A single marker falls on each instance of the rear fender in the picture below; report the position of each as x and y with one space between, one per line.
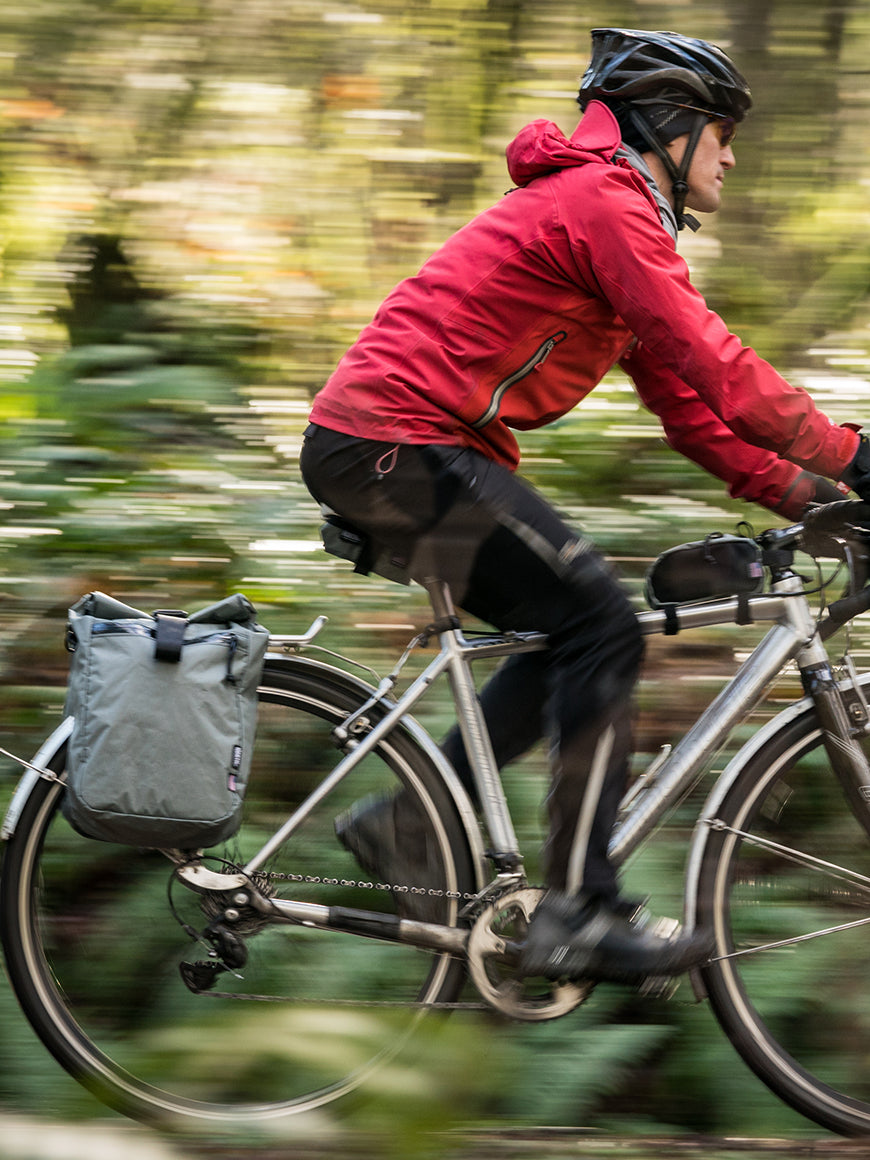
38 768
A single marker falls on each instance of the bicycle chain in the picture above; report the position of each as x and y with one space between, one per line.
353 883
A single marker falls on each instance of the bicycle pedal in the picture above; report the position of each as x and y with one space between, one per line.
667 928
661 986
658 987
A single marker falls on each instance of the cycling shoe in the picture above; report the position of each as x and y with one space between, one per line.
575 938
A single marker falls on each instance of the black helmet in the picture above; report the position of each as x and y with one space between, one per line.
660 85
631 67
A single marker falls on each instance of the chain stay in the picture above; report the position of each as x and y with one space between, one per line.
352 883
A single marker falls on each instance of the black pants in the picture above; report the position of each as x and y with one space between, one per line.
511 561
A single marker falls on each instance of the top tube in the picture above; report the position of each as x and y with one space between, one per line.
708 613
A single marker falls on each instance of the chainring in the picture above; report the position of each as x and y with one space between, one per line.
494 947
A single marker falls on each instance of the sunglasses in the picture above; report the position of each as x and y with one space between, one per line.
727 126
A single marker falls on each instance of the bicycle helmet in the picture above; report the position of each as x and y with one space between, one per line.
648 78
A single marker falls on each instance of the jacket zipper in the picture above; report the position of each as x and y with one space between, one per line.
531 364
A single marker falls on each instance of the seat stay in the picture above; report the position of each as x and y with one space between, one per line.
453 659
362 747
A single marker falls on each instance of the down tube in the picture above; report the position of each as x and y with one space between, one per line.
708 733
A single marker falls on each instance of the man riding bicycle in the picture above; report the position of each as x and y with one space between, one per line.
509 325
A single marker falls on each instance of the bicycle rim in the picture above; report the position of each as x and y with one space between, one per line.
94 936
786 886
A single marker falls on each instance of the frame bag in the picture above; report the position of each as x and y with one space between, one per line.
710 569
164 709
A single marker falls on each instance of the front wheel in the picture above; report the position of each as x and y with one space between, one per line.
785 884
97 936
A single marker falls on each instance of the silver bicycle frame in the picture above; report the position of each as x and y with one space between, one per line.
793 633
791 637
454 657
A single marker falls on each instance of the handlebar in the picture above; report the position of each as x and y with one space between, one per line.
839 530
821 526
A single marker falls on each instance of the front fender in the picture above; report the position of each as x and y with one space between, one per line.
724 783
726 780
711 808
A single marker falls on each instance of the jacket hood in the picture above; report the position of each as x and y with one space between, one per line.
542 147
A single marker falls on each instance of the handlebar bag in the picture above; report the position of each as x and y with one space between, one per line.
710 569
164 709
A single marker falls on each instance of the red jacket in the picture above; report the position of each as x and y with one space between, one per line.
521 313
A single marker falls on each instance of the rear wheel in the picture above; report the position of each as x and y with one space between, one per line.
95 935
785 883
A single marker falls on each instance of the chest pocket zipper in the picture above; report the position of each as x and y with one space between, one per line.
531 364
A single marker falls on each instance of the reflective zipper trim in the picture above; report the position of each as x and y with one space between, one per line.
541 355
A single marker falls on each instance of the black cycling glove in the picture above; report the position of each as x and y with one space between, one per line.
826 492
857 474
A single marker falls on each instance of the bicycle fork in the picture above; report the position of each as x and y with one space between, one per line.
844 718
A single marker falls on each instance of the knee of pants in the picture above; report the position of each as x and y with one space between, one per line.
609 641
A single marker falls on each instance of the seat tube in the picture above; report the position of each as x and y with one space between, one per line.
505 852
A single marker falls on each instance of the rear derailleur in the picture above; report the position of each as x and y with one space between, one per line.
228 953
234 917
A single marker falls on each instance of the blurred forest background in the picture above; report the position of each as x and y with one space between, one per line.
201 202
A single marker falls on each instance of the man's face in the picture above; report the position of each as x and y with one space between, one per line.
710 162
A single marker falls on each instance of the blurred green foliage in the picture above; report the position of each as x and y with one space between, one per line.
201 203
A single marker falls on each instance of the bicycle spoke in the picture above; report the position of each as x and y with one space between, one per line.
793 941
799 857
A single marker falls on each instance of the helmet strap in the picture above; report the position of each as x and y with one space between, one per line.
677 173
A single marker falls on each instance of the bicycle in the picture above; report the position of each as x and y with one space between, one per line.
268 978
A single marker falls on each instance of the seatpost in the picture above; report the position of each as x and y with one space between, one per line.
442 604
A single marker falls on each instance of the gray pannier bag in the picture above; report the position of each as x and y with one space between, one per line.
164 709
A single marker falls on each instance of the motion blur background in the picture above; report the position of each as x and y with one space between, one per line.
201 202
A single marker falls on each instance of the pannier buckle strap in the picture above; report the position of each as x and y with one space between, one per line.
169 635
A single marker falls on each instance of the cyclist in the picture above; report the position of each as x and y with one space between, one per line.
507 326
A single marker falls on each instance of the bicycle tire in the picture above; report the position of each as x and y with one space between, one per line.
788 863
93 949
